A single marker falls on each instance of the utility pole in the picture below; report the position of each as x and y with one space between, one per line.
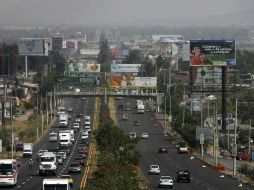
202 132
42 116
47 109
249 141
183 123
37 117
11 127
235 144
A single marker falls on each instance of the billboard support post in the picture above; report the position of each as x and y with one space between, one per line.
26 67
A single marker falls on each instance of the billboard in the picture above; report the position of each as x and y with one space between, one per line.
132 82
206 76
77 80
31 46
82 67
171 45
212 52
125 68
57 44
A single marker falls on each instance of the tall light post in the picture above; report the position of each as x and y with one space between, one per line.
235 144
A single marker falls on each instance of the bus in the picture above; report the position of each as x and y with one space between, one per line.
8 172
56 184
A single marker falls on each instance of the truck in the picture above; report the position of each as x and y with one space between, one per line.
65 138
140 106
183 147
55 184
52 136
28 150
48 163
63 120
71 131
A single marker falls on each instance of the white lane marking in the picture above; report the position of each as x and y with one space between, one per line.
23 183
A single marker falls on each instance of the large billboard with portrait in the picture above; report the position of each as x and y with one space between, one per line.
212 53
82 67
128 81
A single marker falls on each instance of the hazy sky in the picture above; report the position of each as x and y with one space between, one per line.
101 11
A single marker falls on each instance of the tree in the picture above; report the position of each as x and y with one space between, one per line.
105 56
134 57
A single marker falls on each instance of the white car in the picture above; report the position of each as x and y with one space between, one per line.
88 128
165 181
84 136
154 169
144 136
40 153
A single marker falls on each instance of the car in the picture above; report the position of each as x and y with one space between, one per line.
87 120
120 106
154 169
40 153
242 156
125 117
77 119
166 181
80 160
59 158
144 136
75 125
162 150
65 148
183 175
182 147
132 135
74 168
70 179
225 153
70 109
62 153
85 150
136 123
83 98
84 135
83 155
119 98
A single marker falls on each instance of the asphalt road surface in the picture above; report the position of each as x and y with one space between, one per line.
202 176
29 178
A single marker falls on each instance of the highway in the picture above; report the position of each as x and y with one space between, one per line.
29 178
202 176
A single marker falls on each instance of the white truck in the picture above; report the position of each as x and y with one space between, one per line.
71 131
48 163
140 106
55 184
52 136
63 120
65 138
28 150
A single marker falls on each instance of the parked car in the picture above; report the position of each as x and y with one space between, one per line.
125 117
133 135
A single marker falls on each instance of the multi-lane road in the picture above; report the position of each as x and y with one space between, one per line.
202 176
29 178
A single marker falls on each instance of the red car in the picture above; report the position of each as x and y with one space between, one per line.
80 160
242 156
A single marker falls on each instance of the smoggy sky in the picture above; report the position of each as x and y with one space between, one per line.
115 11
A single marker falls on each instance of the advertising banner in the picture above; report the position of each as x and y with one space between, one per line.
212 52
172 45
31 47
77 80
82 67
125 68
207 132
206 76
132 82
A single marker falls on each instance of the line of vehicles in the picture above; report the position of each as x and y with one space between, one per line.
50 159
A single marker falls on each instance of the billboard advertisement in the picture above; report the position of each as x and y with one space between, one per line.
132 82
171 45
212 52
82 67
125 68
31 46
57 44
206 76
